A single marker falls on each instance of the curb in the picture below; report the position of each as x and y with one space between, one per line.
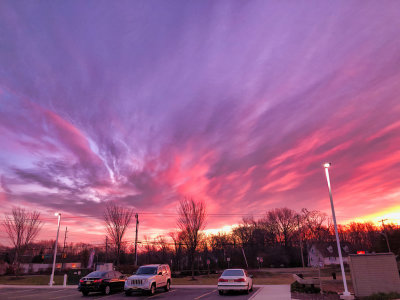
256 293
3 286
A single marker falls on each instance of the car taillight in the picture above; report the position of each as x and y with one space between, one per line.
98 280
222 280
81 280
240 280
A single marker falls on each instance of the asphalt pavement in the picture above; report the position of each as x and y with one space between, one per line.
193 293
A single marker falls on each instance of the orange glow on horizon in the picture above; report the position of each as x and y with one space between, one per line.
392 214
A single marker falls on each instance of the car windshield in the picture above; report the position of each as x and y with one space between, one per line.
96 274
146 271
233 273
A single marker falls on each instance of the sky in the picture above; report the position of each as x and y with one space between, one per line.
234 103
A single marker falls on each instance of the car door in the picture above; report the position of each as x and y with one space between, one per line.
164 275
248 278
109 279
159 277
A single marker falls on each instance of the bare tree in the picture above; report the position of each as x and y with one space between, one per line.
285 222
191 220
22 227
117 220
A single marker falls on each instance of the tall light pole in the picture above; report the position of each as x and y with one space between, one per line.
346 292
55 249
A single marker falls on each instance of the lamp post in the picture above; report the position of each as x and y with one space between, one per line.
55 249
346 292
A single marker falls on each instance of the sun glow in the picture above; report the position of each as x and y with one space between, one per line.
224 229
392 215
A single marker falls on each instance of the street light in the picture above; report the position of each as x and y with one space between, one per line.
57 214
346 292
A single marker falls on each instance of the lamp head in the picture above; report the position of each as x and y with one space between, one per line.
327 165
57 214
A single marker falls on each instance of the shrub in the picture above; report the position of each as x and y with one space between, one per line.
382 296
302 288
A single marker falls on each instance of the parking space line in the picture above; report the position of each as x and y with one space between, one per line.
170 291
206 294
39 293
106 296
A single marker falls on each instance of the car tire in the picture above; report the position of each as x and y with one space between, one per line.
107 290
167 286
152 289
221 292
251 289
247 290
128 293
85 293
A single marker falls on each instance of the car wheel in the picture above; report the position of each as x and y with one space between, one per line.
153 289
85 293
248 289
107 290
251 289
221 292
168 286
128 293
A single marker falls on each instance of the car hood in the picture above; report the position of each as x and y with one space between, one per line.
140 276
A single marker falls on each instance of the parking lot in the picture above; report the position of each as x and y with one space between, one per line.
68 293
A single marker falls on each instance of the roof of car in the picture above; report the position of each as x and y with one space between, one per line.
155 265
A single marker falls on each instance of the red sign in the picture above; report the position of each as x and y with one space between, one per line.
360 252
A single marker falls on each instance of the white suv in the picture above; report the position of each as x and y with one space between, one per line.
149 278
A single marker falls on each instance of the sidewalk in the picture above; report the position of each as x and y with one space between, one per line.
272 292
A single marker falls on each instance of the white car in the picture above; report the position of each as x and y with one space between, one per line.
148 278
235 280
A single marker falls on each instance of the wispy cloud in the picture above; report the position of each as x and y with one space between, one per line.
234 103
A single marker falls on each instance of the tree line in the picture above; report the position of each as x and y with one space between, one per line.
281 237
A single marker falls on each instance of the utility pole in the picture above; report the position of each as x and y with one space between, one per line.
301 242
245 259
63 252
385 233
137 225
106 249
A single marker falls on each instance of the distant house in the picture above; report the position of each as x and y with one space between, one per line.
326 253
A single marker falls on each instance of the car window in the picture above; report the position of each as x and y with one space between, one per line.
233 273
96 274
147 271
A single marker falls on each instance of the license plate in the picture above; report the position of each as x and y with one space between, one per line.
231 281
88 282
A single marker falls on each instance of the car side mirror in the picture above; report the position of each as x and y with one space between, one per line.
159 273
